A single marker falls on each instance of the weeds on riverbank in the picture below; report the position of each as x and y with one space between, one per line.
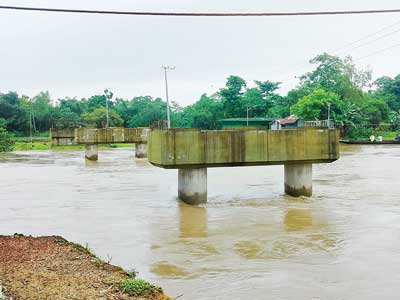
138 288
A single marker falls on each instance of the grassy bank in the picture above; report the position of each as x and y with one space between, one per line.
24 145
387 135
51 268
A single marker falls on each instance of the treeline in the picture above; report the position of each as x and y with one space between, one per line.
356 103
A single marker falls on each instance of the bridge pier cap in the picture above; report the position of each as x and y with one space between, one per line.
192 148
111 135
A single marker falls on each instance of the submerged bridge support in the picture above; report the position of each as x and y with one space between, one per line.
92 137
298 179
192 185
192 151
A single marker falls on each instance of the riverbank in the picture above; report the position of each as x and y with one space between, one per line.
46 145
51 268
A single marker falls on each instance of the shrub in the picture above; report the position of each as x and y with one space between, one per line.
138 287
6 142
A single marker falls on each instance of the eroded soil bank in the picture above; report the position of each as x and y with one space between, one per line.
53 268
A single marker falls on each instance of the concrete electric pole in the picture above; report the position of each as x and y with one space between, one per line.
166 69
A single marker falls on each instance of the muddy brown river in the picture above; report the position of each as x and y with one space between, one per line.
249 242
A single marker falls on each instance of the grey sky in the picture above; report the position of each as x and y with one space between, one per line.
80 55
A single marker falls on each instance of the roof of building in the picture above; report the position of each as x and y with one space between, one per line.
245 119
289 120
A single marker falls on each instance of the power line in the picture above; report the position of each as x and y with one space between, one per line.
379 51
366 37
192 14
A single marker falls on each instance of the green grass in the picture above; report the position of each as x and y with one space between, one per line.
387 135
46 145
138 287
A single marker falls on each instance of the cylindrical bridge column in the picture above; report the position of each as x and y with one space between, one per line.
91 152
141 150
192 185
298 180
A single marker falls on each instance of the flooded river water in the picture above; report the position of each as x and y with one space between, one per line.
249 242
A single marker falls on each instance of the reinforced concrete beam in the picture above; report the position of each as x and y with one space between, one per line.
191 148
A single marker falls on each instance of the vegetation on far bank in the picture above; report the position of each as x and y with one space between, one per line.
359 106
46 145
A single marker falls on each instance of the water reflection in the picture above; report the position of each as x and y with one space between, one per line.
168 270
297 219
192 221
299 233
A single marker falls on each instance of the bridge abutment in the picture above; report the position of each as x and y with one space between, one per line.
141 150
192 185
91 152
298 179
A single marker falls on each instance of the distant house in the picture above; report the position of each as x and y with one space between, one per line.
288 122
250 123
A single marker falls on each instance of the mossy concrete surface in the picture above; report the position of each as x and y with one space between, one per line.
111 135
178 148
62 137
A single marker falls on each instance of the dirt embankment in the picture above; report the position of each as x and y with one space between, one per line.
51 268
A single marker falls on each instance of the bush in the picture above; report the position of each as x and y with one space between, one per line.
6 142
138 287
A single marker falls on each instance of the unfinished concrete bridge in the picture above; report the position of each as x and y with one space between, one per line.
192 151
93 137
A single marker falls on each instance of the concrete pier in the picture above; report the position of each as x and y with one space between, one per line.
141 150
91 152
141 147
298 180
192 185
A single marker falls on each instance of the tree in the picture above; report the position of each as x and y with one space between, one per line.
315 105
204 114
41 107
348 117
389 89
6 143
98 119
339 76
231 96
375 110
394 118
143 111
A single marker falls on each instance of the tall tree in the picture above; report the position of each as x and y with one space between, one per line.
231 96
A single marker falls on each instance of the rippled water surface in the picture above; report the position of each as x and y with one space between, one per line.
249 242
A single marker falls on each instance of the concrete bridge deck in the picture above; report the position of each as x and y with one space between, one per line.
92 137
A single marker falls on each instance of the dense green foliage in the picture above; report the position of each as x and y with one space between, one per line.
6 142
357 104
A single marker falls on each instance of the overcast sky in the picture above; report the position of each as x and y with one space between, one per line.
81 55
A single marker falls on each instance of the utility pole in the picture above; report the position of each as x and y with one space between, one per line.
107 117
329 115
166 69
248 108
107 95
30 122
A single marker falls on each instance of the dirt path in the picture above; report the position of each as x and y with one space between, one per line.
51 268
